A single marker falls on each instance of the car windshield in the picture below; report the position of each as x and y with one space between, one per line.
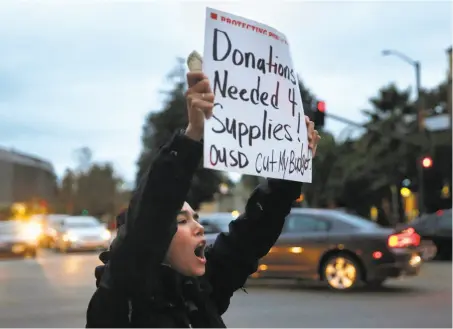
220 220
81 222
56 218
55 221
355 220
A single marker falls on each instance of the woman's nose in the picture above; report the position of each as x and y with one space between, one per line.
199 229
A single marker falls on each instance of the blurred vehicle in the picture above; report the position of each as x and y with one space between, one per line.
18 239
50 227
215 223
81 233
340 249
436 227
49 224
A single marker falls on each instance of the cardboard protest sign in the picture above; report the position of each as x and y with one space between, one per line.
258 127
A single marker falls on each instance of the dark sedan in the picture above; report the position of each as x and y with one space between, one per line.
435 227
340 249
18 239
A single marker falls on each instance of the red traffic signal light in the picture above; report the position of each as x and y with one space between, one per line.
321 106
427 162
319 114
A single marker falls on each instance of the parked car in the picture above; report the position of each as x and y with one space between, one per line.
18 239
81 233
436 227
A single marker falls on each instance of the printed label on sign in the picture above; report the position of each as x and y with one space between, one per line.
258 127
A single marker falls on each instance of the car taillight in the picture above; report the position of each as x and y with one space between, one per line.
404 239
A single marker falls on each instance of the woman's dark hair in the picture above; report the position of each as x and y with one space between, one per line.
104 256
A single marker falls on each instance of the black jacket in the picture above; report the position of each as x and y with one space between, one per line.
136 290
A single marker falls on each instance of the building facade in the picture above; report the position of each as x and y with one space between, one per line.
25 179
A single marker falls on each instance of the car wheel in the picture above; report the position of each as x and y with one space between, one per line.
341 272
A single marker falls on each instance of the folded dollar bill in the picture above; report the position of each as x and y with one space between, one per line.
194 61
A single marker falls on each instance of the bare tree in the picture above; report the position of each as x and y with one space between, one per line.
83 156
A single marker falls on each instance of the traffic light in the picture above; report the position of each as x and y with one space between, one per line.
427 162
445 192
405 192
43 206
319 114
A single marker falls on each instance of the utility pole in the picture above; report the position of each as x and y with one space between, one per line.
421 129
449 91
420 120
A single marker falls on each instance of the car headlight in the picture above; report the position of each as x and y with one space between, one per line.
31 231
106 235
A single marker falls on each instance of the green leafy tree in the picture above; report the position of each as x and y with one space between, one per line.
309 99
66 193
389 130
393 154
326 175
93 187
159 128
435 99
384 155
440 149
369 170
97 190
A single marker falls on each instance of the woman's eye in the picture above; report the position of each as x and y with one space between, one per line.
182 221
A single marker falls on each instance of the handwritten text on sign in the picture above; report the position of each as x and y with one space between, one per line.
258 126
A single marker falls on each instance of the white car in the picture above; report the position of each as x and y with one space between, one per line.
82 233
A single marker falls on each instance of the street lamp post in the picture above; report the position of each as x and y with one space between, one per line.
449 78
416 65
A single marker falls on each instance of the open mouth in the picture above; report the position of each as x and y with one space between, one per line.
199 250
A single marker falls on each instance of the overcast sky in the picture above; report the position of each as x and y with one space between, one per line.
86 74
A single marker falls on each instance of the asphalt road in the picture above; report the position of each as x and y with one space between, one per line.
53 291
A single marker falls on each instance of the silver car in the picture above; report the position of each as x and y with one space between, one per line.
82 233
214 223
18 239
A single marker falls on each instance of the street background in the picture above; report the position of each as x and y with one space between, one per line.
89 92
54 290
